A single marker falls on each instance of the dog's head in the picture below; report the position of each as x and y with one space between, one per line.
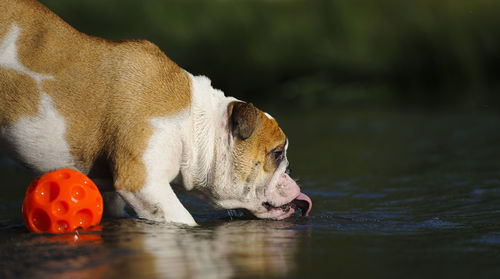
258 177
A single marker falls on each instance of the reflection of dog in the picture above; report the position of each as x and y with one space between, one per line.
256 247
69 100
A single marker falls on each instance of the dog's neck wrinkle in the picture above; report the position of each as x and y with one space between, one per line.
203 144
208 135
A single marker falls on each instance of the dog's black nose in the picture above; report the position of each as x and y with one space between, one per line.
288 170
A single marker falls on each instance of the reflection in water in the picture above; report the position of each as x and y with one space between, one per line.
133 248
90 236
72 255
238 247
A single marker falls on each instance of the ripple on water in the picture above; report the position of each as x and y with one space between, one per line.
479 191
491 238
370 195
326 193
438 223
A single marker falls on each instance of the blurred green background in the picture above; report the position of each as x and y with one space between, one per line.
310 53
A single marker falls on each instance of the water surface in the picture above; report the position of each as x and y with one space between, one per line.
402 194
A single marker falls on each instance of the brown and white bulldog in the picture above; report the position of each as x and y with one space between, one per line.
69 100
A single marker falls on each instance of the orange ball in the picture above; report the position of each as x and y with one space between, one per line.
62 201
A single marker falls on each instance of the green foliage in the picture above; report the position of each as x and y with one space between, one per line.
313 52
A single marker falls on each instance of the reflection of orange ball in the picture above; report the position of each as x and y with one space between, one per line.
61 201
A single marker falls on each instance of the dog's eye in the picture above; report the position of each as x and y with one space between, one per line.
278 154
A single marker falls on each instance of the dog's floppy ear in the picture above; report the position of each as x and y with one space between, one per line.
242 119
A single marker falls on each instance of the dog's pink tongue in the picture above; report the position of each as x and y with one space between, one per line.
303 202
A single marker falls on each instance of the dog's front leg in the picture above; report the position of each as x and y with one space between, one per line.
148 192
158 202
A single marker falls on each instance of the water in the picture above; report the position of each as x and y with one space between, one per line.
412 194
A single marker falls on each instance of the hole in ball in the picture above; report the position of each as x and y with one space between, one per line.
32 186
78 193
60 208
40 220
83 218
64 175
47 192
62 226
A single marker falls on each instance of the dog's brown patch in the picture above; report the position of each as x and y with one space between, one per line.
251 155
15 99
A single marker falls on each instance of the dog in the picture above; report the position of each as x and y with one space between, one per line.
69 100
